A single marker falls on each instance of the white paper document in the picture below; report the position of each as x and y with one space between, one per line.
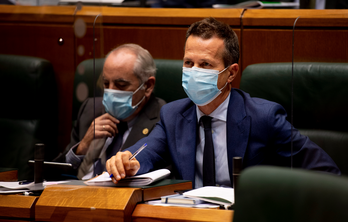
18 187
201 205
218 195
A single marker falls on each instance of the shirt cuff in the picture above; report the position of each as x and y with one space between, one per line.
72 158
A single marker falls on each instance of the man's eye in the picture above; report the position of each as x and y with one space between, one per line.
121 86
188 63
205 64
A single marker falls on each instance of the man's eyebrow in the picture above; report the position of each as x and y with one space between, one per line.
120 80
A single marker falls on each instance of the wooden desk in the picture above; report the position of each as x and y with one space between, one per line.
147 213
17 207
91 203
86 203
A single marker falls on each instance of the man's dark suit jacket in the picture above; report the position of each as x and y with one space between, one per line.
146 119
257 131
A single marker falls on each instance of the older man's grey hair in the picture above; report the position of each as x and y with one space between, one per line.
144 66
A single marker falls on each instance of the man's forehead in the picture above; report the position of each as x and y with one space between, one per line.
207 48
119 68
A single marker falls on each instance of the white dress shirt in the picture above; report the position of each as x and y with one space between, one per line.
218 125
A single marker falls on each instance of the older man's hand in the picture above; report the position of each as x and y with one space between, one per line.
104 126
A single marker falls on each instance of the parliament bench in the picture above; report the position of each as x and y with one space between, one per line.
319 98
29 111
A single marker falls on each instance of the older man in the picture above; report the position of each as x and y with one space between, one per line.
127 112
201 134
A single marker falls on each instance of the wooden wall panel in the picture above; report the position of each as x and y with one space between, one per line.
275 45
286 18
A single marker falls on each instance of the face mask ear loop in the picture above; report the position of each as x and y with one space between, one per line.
223 70
138 103
223 87
141 99
138 88
226 82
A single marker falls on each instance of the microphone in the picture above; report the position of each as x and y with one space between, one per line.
237 168
39 155
292 93
97 161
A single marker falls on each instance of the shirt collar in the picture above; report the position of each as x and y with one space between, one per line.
219 113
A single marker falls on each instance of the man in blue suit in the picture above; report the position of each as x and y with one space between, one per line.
238 125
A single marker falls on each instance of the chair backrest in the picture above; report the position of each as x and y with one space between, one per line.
320 100
168 81
267 194
30 111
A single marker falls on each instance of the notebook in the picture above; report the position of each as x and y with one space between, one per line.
134 181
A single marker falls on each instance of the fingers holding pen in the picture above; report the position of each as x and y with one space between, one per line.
120 166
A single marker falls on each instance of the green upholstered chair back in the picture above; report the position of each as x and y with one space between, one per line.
273 194
85 83
320 103
168 81
29 112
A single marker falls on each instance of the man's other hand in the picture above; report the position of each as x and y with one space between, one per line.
104 126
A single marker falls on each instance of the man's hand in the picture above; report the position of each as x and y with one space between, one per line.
120 166
104 125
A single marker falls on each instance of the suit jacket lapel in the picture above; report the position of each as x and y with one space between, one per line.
186 140
238 129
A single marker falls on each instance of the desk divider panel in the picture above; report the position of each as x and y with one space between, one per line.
17 207
86 203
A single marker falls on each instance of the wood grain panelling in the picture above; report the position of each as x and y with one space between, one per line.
17 206
286 17
70 203
268 45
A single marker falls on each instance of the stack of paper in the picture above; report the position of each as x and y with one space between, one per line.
218 195
180 199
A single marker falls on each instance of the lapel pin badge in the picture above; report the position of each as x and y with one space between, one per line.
145 131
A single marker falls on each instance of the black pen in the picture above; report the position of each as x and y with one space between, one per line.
134 154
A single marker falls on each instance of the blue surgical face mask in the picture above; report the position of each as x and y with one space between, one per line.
118 103
200 84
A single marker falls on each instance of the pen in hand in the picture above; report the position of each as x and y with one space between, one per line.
134 154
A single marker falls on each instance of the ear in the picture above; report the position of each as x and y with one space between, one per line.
149 86
233 69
